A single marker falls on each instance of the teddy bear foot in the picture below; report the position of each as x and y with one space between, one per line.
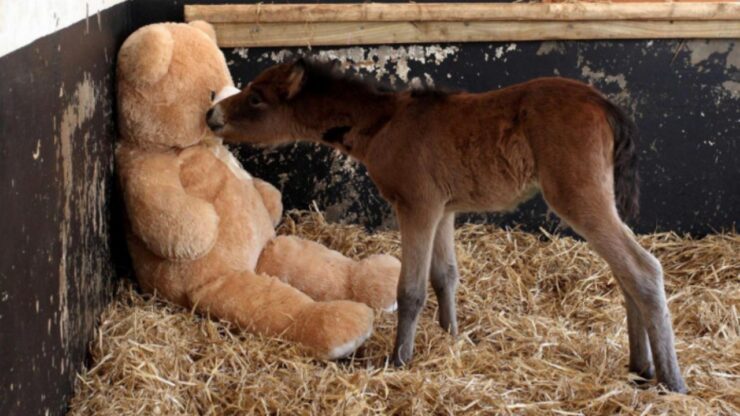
333 329
374 282
349 347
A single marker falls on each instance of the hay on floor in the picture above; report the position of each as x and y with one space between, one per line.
542 332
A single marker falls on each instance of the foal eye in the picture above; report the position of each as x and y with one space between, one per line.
254 100
213 95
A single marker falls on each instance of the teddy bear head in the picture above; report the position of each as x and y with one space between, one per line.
168 75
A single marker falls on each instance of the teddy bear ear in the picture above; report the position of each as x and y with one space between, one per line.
206 28
145 56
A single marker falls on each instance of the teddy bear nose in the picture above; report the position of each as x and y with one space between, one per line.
214 119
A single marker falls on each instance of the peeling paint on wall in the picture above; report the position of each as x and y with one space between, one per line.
549 47
392 61
56 261
78 111
702 50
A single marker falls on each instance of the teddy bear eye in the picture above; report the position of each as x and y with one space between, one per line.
254 99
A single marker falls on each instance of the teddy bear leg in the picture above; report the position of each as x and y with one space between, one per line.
375 281
264 305
326 274
315 270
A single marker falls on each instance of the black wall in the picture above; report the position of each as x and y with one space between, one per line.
57 244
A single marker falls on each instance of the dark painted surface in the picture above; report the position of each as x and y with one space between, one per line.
56 158
684 95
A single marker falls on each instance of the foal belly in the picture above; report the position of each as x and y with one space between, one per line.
493 174
493 199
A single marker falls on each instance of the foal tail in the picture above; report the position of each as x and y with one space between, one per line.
626 178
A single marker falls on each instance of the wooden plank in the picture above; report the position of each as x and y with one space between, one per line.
369 33
448 12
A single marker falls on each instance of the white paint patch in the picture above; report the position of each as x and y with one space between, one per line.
24 21
501 51
36 153
593 76
549 47
242 52
732 88
733 58
701 50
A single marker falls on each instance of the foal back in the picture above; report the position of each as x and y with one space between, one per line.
491 151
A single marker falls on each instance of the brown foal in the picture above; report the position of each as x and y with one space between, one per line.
432 154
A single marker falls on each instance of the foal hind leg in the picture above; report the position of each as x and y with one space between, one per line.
641 360
444 273
589 209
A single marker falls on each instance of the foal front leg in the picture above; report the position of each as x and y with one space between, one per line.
417 234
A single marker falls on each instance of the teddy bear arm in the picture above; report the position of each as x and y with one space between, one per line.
171 223
272 199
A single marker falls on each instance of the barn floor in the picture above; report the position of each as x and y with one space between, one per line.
542 332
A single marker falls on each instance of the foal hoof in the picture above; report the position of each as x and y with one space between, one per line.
401 359
677 386
641 377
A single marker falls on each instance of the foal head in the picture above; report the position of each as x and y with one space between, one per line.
293 101
261 112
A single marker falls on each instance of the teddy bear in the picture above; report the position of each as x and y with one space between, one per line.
201 230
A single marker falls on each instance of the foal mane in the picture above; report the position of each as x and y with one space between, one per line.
325 76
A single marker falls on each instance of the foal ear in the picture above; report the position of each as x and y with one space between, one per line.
296 78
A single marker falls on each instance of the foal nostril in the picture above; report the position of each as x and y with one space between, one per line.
213 119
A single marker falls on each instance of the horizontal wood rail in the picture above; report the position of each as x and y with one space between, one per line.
253 25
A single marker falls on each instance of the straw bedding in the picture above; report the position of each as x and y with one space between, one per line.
542 327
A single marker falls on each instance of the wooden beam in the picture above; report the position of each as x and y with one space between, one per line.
359 33
452 12
255 25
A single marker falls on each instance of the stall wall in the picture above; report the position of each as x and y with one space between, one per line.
58 245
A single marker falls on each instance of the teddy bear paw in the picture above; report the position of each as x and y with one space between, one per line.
335 329
391 308
375 281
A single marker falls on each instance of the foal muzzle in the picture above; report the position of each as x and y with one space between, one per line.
215 116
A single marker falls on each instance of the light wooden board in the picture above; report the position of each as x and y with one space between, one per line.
450 12
369 33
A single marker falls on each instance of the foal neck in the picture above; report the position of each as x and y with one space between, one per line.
349 119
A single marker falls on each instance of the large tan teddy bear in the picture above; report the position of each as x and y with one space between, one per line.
201 229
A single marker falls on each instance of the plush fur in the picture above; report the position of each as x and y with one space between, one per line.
202 229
